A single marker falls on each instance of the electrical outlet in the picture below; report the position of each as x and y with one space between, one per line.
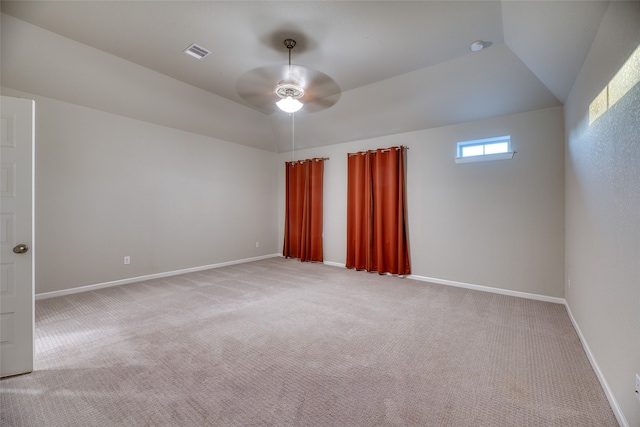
569 285
257 244
638 386
127 260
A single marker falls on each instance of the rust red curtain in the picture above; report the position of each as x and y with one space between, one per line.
303 210
376 212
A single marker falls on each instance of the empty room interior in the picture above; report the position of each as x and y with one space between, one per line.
163 291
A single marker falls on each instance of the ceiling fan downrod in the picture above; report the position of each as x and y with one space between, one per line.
289 91
290 44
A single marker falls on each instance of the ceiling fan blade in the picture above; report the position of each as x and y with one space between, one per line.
322 93
318 104
256 87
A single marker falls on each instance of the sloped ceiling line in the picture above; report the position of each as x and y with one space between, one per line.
403 66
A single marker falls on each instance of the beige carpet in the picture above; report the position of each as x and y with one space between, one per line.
283 343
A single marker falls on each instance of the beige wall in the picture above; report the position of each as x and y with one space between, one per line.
109 186
603 207
498 224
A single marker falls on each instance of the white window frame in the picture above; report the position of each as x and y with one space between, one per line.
483 143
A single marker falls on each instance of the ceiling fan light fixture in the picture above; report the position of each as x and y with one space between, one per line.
289 104
289 92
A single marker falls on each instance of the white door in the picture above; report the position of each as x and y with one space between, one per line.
16 235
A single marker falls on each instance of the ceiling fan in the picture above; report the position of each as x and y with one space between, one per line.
288 88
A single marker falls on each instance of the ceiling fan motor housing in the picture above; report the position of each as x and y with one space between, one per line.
285 89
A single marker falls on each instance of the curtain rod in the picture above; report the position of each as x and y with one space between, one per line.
317 159
381 149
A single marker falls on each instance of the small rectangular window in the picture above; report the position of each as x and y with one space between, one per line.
478 150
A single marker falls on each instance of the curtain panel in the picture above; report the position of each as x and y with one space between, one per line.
303 210
376 212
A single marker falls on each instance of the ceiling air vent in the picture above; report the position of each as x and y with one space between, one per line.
196 51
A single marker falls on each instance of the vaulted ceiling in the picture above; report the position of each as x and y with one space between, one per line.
400 66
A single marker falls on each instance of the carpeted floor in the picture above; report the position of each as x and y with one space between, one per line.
283 343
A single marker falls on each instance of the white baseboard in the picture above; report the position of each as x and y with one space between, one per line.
334 264
617 411
63 292
474 287
488 289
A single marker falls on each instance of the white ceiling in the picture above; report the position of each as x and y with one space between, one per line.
401 66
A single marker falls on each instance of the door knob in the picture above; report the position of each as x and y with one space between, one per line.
20 249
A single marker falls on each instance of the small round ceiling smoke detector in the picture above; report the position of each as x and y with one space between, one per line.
477 46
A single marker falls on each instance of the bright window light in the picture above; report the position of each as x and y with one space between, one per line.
484 149
625 79
472 150
496 147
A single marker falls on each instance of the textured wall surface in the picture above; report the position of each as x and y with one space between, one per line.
603 202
